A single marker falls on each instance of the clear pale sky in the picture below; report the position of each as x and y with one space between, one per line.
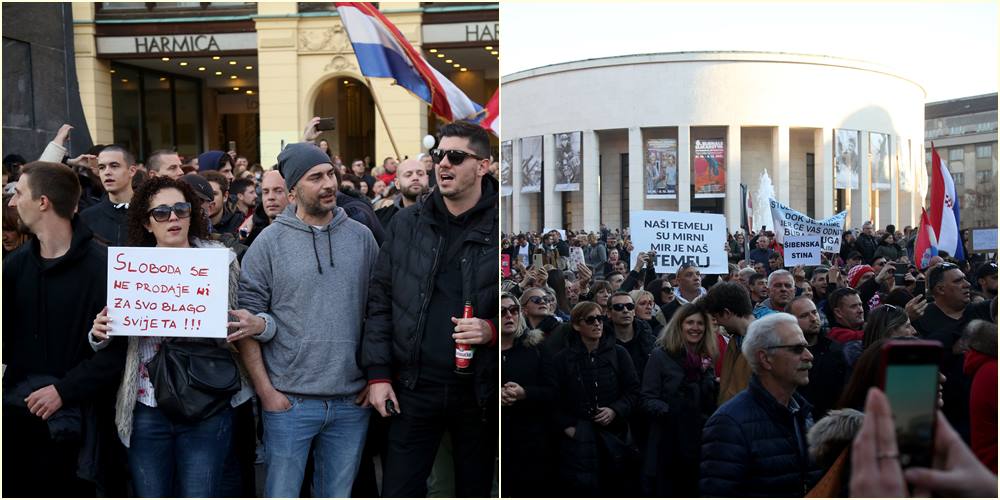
948 47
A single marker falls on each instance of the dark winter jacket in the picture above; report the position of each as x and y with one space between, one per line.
48 310
107 222
867 244
260 221
827 377
229 223
755 447
677 410
639 347
889 252
528 441
360 209
404 287
586 381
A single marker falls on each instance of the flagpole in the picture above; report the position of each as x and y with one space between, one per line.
378 106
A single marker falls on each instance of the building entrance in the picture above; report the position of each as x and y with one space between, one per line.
350 102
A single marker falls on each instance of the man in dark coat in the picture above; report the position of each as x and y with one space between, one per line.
755 444
54 287
439 256
273 200
109 218
829 371
867 244
411 181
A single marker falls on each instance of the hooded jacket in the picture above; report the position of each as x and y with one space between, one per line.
981 366
50 306
107 222
755 447
360 209
310 285
229 223
407 306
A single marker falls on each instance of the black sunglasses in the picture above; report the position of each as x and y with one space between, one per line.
162 212
540 299
593 319
623 306
455 156
511 311
794 348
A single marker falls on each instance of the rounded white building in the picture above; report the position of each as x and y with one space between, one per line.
748 111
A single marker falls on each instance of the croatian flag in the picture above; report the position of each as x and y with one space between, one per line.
944 213
491 117
383 52
927 245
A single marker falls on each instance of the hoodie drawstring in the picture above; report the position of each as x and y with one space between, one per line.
329 242
312 233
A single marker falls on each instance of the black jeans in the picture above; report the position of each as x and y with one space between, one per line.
415 434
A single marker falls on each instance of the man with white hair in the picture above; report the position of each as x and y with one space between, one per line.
755 443
780 291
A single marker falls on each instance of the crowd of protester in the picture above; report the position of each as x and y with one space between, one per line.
348 291
620 381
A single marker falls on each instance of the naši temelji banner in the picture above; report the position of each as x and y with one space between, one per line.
788 222
679 238
168 292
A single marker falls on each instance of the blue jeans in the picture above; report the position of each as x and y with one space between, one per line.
338 427
169 459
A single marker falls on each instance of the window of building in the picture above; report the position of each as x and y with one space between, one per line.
154 110
959 179
984 150
984 177
956 154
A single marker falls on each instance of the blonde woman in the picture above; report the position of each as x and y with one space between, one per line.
678 394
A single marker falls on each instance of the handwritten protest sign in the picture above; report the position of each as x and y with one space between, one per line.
681 237
788 222
168 292
803 250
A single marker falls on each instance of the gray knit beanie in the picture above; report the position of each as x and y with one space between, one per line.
297 159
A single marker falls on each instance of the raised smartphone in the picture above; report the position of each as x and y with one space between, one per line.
909 378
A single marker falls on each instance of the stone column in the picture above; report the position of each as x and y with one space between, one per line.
551 213
780 151
823 180
636 193
684 168
591 175
734 176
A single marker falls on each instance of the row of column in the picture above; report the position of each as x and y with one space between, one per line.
778 170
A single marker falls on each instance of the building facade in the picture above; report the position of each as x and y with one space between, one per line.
715 120
211 75
964 132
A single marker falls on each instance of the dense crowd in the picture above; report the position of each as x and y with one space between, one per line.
621 381
348 293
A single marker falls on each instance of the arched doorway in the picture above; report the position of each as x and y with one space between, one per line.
350 102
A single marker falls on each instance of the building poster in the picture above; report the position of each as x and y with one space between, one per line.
569 161
847 164
168 292
903 161
531 164
878 148
506 157
710 168
661 168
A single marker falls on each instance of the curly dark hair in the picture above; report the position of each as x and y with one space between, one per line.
138 213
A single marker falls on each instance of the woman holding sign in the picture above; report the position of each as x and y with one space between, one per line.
172 453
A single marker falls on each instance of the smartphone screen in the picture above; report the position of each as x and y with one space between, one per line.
539 260
912 393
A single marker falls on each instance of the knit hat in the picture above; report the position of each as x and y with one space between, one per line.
856 272
209 160
297 158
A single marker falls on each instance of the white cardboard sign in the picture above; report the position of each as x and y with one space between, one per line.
681 237
168 292
803 250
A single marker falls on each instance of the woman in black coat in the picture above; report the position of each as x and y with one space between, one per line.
597 391
678 394
526 396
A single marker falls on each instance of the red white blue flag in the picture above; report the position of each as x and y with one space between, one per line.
926 246
383 52
944 213
491 117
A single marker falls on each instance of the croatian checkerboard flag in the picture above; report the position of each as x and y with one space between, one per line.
491 118
926 246
383 52
944 213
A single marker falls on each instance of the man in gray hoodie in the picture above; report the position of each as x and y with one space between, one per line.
303 291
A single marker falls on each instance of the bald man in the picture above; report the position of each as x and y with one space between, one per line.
412 182
274 198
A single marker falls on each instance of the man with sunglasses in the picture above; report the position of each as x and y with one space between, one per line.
945 320
755 444
632 333
55 285
439 255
